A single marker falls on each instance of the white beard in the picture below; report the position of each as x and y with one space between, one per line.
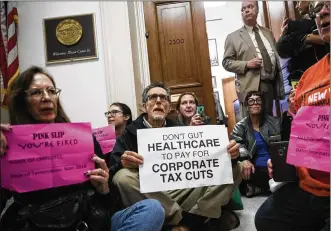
158 117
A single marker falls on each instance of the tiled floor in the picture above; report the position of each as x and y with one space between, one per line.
246 216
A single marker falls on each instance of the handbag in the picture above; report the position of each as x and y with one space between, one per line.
80 211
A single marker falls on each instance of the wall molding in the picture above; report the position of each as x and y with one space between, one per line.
142 53
118 53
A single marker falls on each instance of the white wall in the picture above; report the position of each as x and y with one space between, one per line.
222 18
83 84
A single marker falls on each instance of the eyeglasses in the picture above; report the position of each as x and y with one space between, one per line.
257 101
153 97
112 113
318 8
38 93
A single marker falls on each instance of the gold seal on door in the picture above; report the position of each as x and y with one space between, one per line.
69 32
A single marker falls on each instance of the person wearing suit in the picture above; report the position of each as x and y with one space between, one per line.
250 52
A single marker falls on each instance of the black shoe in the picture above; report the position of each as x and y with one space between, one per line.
192 221
175 228
253 191
229 220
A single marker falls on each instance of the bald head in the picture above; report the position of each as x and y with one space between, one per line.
249 12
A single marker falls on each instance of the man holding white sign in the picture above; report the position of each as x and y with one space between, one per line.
180 159
174 159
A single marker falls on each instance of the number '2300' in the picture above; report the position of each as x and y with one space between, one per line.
176 41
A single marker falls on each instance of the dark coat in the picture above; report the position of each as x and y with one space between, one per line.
292 45
243 133
128 142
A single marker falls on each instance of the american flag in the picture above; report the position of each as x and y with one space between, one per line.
8 48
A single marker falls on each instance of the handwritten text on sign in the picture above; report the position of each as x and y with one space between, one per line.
106 137
178 158
45 156
310 138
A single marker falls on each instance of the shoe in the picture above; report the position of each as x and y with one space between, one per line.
253 191
176 228
229 220
192 221
274 186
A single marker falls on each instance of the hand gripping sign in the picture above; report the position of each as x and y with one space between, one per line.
183 157
42 156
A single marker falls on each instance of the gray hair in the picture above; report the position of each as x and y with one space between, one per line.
151 86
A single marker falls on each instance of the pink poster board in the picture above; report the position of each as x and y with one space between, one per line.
310 138
106 137
43 156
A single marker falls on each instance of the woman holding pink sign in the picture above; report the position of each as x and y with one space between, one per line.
86 206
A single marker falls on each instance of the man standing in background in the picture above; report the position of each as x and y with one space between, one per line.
250 52
300 42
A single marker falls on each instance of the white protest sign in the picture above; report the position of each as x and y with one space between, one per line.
183 157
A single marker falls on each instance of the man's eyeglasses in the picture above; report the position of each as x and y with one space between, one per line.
257 101
153 97
318 8
112 113
40 92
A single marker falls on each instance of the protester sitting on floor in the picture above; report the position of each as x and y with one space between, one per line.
253 133
195 208
304 205
34 99
119 115
186 107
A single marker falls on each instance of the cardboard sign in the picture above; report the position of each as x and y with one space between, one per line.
106 137
310 138
183 157
42 156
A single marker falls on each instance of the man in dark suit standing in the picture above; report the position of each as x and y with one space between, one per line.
250 52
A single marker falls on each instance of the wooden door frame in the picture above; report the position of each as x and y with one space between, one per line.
201 45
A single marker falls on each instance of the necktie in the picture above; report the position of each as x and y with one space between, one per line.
264 53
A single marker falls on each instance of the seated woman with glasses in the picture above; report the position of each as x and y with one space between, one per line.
119 115
186 107
253 134
87 206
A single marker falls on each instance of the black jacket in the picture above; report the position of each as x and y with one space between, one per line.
128 142
292 45
243 133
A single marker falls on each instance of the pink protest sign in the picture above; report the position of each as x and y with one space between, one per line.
310 138
106 137
42 156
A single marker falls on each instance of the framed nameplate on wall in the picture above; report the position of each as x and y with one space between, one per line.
70 38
